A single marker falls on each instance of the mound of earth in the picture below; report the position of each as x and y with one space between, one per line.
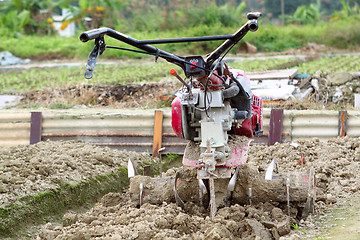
132 95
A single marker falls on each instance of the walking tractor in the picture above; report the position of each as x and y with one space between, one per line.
214 110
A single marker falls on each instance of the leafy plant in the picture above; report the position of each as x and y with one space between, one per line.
311 14
101 13
349 9
34 16
15 20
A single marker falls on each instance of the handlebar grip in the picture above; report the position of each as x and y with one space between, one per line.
253 15
92 34
253 25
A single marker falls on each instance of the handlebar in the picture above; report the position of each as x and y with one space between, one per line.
251 25
231 40
93 34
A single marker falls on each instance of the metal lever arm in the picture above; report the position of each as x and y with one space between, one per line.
98 49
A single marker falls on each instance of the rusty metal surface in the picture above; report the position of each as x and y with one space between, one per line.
342 123
275 126
35 127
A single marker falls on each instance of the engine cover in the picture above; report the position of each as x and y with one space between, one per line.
176 122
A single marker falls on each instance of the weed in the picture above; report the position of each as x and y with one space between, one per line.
296 227
59 106
172 156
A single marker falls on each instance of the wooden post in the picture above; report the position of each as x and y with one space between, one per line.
35 127
147 170
342 126
275 128
157 140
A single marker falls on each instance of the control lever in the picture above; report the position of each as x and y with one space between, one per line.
97 50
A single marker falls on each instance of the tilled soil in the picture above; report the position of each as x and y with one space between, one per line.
25 170
336 163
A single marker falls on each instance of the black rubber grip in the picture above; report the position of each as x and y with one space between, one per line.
92 34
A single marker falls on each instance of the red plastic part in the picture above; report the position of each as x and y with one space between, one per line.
176 117
192 66
173 72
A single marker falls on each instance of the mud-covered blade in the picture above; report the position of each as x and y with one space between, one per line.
232 182
131 169
90 66
179 202
270 169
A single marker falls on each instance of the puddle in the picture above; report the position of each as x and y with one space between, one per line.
7 101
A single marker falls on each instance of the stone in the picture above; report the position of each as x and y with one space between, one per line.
283 227
277 213
292 237
218 232
259 229
246 47
47 234
268 224
7 58
356 74
69 219
339 78
3 188
275 233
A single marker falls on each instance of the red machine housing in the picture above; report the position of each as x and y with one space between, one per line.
250 126
176 122
247 128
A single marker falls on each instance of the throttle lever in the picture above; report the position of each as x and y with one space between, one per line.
98 49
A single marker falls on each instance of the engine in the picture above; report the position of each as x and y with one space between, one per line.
211 110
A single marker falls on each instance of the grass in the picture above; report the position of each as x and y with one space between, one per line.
106 75
259 65
332 64
139 71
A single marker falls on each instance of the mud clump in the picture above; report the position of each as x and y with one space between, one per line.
166 221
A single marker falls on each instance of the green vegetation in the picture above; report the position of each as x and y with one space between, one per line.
20 80
66 77
259 65
269 38
143 71
164 19
332 64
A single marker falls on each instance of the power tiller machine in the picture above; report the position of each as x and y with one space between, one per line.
215 104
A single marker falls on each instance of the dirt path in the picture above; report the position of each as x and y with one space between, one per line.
341 221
